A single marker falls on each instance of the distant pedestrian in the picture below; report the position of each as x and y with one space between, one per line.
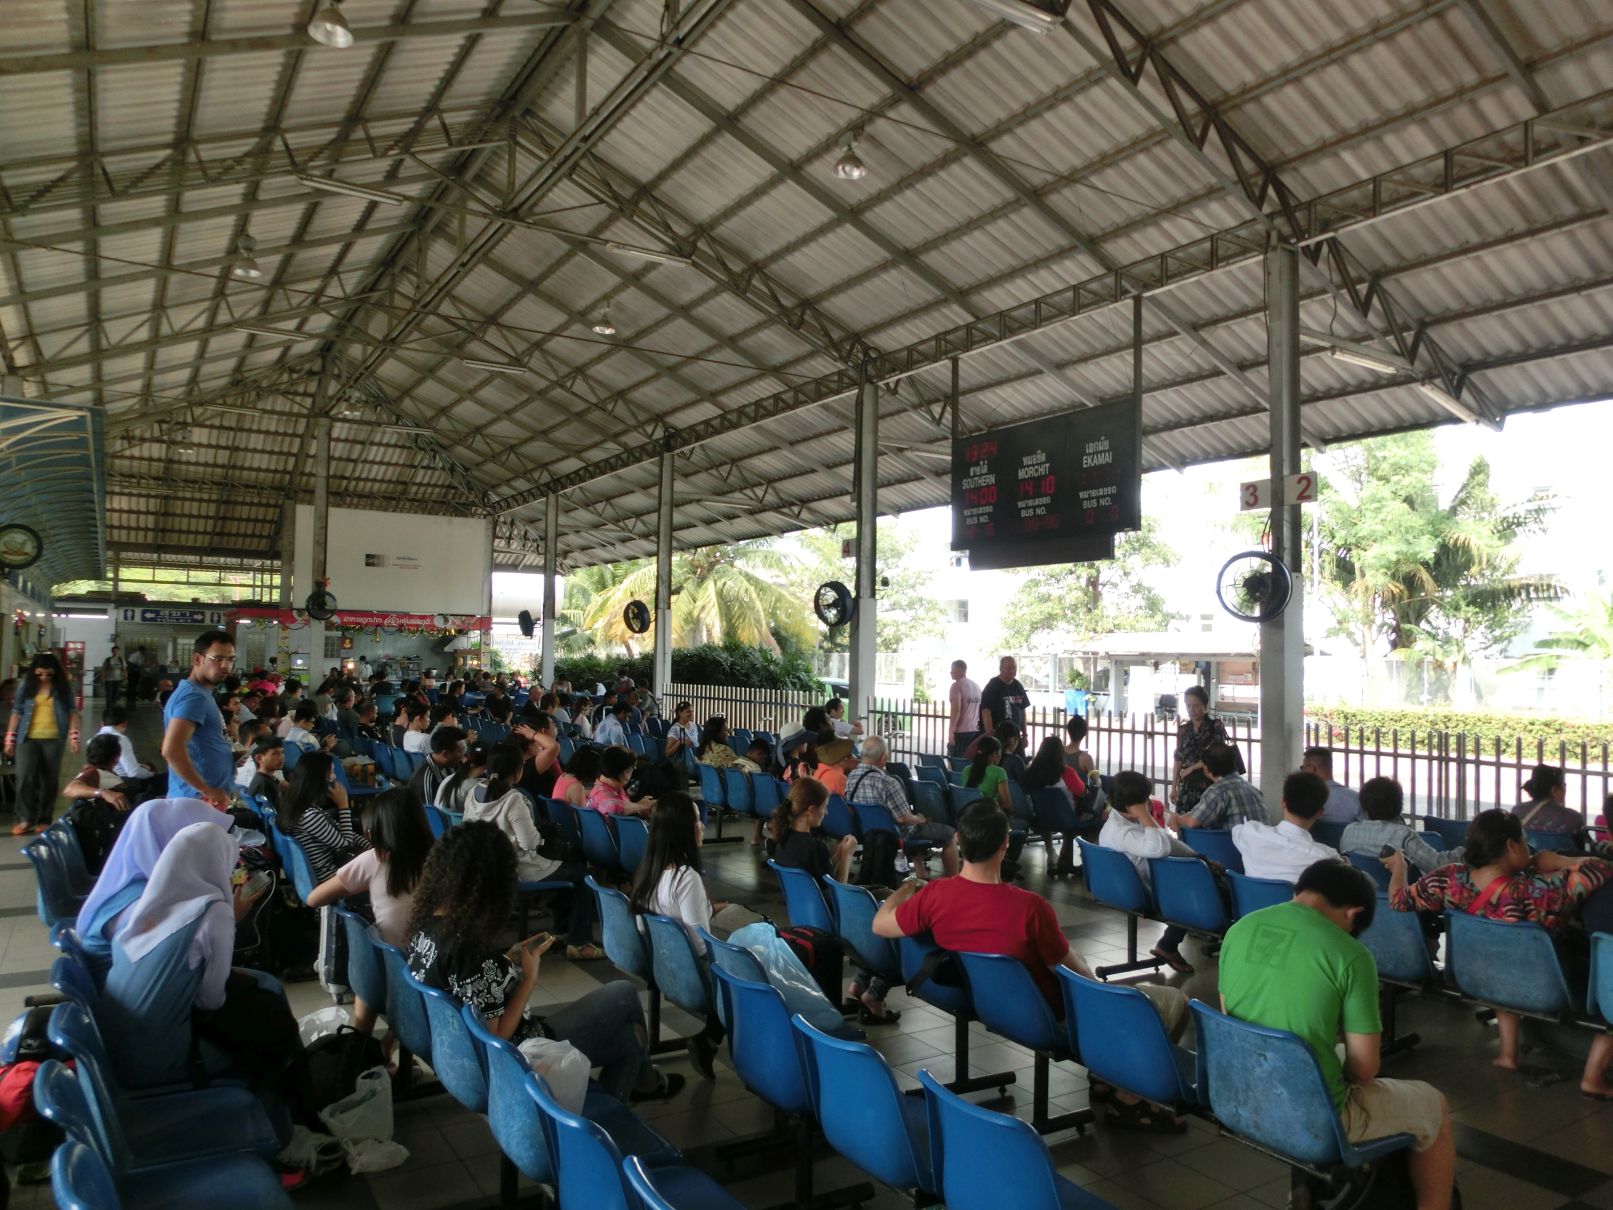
963 722
1004 699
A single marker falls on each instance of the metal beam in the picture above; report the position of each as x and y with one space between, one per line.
182 52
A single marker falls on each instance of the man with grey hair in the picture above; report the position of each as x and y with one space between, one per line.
870 785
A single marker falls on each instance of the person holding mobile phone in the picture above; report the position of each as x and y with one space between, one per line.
464 898
314 812
1384 826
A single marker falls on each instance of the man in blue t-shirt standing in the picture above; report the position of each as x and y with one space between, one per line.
194 743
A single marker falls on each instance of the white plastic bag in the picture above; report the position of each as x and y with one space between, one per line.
563 1068
310 1152
789 976
366 1113
321 1023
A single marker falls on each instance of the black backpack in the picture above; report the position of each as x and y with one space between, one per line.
96 824
878 864
335 1063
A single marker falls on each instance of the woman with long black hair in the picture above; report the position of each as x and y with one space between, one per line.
314 812
462 902
43 718
668 883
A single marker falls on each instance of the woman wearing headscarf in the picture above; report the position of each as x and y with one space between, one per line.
150 829
172 983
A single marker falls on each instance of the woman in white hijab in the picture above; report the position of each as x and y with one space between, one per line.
150 828
172 980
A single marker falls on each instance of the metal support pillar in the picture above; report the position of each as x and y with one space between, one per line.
288 560
551 566
865 491
316 629
661 675
1282 640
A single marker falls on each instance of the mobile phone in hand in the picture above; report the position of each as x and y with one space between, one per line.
258 884
537 941
1388 850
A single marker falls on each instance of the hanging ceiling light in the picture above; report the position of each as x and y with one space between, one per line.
329 28
1027 14
243 264
182 441
849 167
603 325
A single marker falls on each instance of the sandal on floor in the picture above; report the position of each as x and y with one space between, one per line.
1143 1117
1097 1090
852 1004
584 953
670 1086
1173 960
864 1017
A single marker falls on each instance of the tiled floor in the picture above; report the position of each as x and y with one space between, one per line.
1521 1147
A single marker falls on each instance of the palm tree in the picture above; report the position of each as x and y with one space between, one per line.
1586 632
720 592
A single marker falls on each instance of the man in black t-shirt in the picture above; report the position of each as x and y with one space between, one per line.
1003 700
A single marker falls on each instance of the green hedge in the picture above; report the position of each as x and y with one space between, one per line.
1508 728
729 663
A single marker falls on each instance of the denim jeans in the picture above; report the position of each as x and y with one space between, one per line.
606 1025
39 777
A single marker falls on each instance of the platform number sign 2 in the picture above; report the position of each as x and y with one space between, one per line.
1302 488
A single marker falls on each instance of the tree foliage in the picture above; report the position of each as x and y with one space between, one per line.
729 663
1056 607
1586 632
1425 579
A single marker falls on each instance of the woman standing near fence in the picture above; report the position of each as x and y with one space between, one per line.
1200 731
43 716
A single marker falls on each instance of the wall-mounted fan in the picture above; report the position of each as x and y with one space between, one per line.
636 617
321 603
833 604
525 622
1254 586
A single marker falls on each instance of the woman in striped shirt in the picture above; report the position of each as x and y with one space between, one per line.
314 812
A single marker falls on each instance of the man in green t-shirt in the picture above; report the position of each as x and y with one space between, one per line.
1298 967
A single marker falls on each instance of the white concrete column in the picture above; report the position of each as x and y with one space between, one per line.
865 490
551 565
662 666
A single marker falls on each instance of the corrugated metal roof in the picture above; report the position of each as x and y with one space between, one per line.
1003 167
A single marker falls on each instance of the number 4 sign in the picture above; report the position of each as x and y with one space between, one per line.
1297 489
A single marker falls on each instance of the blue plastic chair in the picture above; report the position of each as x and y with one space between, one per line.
456 1057
1451 832
1264 1085
1398 947
1185 894
802 898
680 973
931 801
1008 1002
737 793
628 950
1118 1035
1216 844
865 1117
838 819
1325 832
405 1009
160 1126
711 787
297 867
1252 894
762 1047
80 1179
767 793
232 1179
958 798
1114 882
632 838
598 841
670 1187
1372 867
872 817
854 908
931 774
1052 814
948 990
1551 842
562 814
1507 965
55 900
986 1161
62 835
567 748
293 753
366 973
1599 993
517 1120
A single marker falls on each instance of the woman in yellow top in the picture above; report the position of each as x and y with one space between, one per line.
43 715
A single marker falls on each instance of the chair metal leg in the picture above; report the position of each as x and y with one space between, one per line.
1392 1042
719 838
1043 1123
1133 963
805 1199
658 1044
962 1081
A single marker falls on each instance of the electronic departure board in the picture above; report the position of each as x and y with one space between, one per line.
1048 491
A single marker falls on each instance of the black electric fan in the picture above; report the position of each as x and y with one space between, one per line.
636 617
833 603
321 603
1254 586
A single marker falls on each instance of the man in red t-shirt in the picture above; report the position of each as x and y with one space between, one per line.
977 912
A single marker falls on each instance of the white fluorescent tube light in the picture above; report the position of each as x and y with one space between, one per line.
493 367
331 185
670 258
272 333
1356 358
1023 14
